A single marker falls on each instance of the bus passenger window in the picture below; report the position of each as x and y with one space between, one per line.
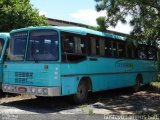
142 52
83 46
114 49
77 42
80 47
97 47
73 44
152 53
93 46
129 51
68 44
108 48
102 47
121 50
74 48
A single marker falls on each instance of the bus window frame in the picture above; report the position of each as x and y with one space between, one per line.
3 45
27 46
83 55
87 39
111 40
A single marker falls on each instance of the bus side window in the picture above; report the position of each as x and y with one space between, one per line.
93 46
152 53
97 47
102 47
114 49
83 46
121 49
68 44
77 42
108 48
130 51
74 48
142 52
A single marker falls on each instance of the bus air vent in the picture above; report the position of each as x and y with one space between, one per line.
23 77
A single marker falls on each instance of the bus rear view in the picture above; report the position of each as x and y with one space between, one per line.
30 68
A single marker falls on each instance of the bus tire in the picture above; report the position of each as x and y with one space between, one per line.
82 93
138 83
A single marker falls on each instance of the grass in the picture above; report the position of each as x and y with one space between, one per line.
156 84
86 110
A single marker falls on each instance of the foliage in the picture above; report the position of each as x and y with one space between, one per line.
101 24
144 17
17 14
155 85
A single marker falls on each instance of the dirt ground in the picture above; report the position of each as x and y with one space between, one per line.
119 101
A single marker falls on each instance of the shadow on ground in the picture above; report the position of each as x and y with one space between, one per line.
6 95
119 101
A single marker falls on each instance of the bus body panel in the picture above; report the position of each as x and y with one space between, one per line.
29 77
4 37
32 74
106 73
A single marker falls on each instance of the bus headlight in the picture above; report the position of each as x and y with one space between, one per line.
40 90
45 91
12 88
33 90
8 88
5 87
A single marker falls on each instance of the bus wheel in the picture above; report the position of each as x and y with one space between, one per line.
138 83
82 93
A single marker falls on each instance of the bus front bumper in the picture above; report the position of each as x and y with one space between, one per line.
31 90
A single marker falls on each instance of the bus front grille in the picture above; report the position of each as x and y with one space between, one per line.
23 77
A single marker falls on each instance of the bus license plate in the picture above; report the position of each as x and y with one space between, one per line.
22 89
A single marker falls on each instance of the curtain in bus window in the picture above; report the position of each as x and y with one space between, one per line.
93 45
102 47
78 49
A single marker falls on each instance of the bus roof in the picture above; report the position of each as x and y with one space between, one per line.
4 35
72 29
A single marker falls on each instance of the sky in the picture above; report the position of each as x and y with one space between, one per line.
79 11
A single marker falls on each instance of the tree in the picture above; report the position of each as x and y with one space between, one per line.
101 24
18 14
144 17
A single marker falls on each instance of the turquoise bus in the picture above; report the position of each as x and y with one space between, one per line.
57 61
4 38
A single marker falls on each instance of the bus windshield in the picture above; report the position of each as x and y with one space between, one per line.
43 46
18 46
40 45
